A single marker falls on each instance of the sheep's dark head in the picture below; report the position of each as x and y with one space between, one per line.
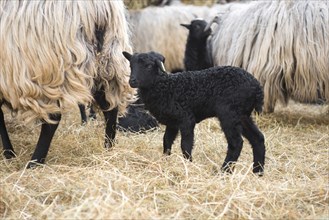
145 68
197 29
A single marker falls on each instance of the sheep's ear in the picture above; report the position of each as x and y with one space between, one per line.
127 55
160 65
214 20
188 26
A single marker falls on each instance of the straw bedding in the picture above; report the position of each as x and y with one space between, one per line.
134 181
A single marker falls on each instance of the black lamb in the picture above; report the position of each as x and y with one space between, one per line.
197 50
181 100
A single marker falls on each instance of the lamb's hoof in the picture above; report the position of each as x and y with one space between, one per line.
228 168
260 174
33 165
9 154
187 157
258 171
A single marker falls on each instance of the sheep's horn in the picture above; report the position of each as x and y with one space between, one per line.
161 66
214 20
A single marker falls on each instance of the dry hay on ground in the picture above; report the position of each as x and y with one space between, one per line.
81 180
133 4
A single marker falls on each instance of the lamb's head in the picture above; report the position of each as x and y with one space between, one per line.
145 68
197 29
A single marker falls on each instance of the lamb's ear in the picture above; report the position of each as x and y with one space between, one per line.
160 65
207 28
188 26
127 55
214 20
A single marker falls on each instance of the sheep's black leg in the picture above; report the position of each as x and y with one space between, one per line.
110 117
256 139
82 109
187 133
111 123
168 139
232 133
7 146
45 138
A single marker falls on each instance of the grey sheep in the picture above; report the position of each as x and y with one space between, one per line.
181 100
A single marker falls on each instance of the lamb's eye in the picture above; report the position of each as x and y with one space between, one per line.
149 66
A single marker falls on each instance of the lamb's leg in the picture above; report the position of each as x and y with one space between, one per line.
168 139
46 135
110 117
232 133
187 133
82 109
7 146
256 139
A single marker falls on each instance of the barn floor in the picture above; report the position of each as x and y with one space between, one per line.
82 180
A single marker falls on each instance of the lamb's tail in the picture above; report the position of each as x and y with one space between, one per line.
259 102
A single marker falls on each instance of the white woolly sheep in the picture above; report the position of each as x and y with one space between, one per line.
181 100
284 44
53 54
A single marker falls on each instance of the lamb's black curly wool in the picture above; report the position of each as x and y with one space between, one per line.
181 100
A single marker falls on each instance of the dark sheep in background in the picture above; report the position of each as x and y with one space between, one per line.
197 50
137 119
181 100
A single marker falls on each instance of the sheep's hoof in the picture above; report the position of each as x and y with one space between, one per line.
108 144
92 116
167 152
9 154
